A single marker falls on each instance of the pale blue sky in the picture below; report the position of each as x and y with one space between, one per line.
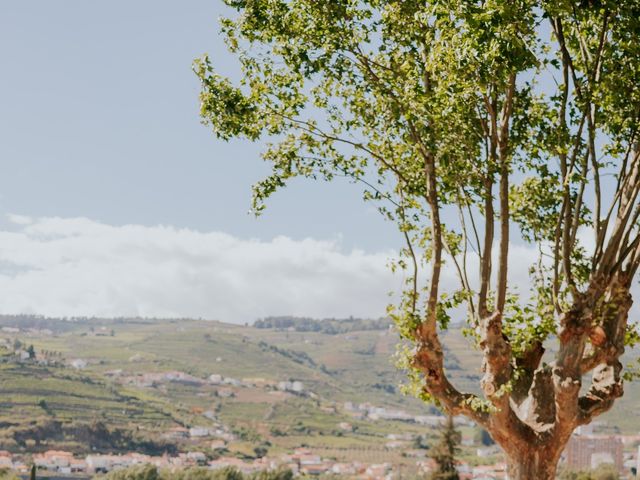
99 118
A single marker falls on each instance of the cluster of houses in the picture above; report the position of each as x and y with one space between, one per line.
146 380
294 387
28 331
219 433
302 462
368 411
66 463
155 378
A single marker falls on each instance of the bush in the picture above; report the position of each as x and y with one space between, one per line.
139 472
150 472
227 473
6 474
281 474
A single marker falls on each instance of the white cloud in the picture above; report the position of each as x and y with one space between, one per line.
19 219
80 267
73 267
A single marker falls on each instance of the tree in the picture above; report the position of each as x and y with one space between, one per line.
138 472
260 451
478 128
6 474
32 474
444 453
419 443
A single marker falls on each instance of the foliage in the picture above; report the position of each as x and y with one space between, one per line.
297 356
139 472
281 474
420 443
150 472
6 474
473 126
260 450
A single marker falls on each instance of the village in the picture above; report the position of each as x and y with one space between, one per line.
301 462
586 450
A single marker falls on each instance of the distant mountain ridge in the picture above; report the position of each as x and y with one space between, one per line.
328 326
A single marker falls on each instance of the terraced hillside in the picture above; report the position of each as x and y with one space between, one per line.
121 384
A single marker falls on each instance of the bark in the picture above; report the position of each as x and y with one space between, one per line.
534 420
534 406
496 364
548 400
531 407
538 464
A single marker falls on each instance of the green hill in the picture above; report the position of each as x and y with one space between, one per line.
131 384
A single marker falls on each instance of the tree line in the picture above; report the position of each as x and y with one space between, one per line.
329 326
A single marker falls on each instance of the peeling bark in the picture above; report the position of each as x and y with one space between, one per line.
527 365
606 387
496 362
534 408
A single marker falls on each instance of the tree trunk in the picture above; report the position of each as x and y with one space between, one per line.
533 464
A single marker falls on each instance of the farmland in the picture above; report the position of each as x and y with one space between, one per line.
130 384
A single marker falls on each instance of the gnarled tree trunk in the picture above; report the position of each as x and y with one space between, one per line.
536 464
533 413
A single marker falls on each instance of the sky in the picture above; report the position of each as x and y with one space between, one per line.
116 201
99 119
99 130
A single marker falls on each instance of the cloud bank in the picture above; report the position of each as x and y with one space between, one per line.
80 267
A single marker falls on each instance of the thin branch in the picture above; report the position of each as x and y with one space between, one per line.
412 254
503 140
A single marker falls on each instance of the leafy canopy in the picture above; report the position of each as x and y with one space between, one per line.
473 125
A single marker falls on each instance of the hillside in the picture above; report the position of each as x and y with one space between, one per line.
166 385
